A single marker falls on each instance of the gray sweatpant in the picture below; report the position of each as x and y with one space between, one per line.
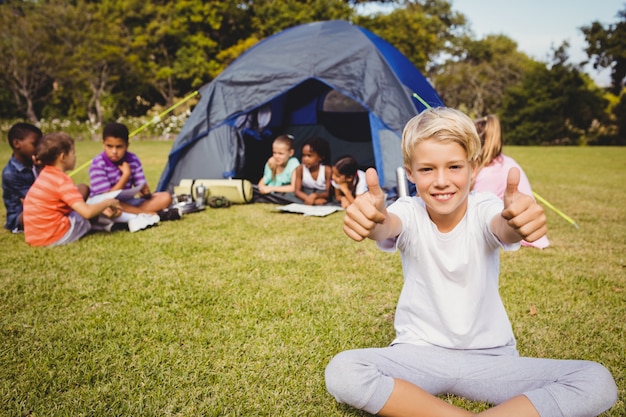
363 378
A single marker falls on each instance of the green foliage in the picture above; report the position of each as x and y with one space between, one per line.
607 48
236 312
28 53
270 17
422 31
551 105
102 60
476 81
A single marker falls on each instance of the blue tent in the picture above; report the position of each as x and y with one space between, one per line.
330 79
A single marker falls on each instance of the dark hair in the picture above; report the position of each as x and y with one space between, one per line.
21 130
116 130
319 146
52 145
347 165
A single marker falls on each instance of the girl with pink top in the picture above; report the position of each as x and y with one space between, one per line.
494 166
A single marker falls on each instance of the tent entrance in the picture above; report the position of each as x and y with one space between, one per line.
311 109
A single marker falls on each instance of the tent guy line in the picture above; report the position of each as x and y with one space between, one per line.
155 119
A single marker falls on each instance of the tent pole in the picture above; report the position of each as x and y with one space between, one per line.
155 119
421 100
556 210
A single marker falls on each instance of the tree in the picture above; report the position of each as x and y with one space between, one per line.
475 82
552 105
93 36
173 43
607 48
421 30
28 56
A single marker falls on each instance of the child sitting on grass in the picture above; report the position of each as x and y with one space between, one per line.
348 180
312 177
20 172
453 335
494 166
55 212
117 169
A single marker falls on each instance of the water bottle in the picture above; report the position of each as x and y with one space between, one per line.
200 195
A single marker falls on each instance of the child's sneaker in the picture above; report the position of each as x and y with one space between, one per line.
172 213
142 221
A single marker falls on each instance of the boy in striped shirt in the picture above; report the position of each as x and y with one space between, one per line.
118 169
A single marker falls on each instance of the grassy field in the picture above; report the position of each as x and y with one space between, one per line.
236 312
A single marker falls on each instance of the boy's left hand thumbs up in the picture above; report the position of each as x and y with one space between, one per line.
523 214
512 184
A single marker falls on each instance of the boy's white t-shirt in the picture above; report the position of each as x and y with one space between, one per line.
450 295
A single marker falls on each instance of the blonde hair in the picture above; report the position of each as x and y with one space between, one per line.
286 140
443 124
488 129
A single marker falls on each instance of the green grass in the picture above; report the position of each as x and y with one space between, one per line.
236 312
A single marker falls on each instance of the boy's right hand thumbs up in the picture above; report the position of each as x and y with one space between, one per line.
367 210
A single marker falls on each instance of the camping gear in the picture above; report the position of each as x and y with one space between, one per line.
200 195
403 186
330 79
218 201
237 191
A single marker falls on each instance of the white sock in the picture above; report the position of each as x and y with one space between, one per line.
125 217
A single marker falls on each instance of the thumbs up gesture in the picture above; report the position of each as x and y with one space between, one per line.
521 212
367 211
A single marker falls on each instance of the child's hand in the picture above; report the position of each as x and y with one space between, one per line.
367 211
345 189
310 199
522 213
114 209
145 191
125 168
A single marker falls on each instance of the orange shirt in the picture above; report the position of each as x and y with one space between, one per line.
47 206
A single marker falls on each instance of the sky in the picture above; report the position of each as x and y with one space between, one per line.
539 25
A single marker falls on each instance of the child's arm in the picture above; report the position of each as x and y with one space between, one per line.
347 193
522 217
124 167
328 173
287 188
368 216
297 184
338 193
281 188
89 211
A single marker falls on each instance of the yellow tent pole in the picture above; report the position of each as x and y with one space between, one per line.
556 210
155 119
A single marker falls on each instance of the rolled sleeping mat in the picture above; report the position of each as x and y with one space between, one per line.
237 191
